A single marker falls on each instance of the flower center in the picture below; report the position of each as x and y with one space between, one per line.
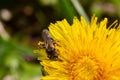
87 68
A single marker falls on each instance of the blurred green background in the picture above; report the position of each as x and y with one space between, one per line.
21 23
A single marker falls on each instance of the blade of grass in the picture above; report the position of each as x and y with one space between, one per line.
68 9
80 9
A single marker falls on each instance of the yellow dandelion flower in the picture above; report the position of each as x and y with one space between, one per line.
86 51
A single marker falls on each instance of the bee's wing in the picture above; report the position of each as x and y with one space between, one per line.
45 35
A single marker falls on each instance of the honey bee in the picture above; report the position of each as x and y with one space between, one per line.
49 44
